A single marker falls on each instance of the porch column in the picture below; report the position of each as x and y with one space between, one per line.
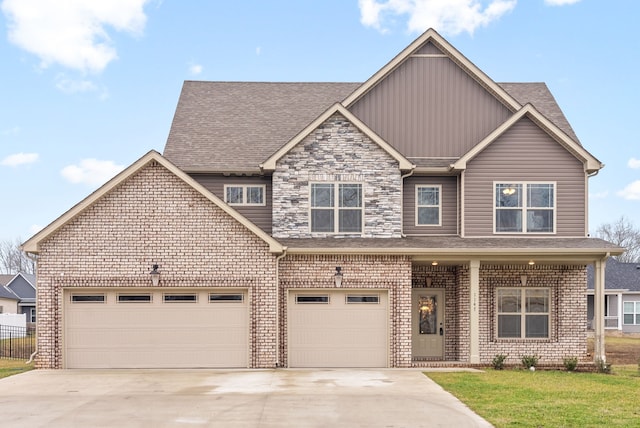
619 302
474 309
598 310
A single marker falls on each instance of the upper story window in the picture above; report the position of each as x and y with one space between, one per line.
525 207
238 194
428 206
336 207
523 313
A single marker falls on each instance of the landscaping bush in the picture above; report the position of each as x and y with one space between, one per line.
498 361
570 363
529 361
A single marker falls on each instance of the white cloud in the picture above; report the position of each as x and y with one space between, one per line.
599 195
631 192
91 171
20 159
560 2
72 33
195 69
446 16
71 86
634 163
11 131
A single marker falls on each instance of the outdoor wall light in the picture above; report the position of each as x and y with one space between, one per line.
155 276
337 278
531 263
434 263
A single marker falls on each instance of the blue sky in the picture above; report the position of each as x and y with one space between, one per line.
89 86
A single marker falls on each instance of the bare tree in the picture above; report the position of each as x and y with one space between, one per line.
624 234
13 260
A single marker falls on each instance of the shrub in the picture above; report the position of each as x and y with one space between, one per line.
570 363
498 361
602 366
529 361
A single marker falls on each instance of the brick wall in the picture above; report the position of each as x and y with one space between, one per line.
154 217
390 273
337 152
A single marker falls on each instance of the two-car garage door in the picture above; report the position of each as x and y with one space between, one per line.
142 328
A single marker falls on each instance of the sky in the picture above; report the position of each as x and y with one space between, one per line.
90 86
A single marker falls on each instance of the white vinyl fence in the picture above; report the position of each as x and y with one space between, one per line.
13 320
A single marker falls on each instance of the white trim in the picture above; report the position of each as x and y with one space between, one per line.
523 313
245 188
439 206
524 207
336 207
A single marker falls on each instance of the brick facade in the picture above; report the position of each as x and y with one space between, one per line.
155 218
337 151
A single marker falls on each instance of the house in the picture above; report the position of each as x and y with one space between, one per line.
426 216
20 292
621 296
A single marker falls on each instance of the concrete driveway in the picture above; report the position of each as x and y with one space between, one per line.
229 398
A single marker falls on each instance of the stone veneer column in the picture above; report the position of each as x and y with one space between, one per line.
474 318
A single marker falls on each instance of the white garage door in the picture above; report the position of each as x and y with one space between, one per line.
183 328
331 328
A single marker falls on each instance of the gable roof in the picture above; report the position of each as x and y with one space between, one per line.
33 244
270 163
618 276
591 163
5 293
23 286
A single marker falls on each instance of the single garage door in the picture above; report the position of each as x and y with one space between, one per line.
142 328
330 328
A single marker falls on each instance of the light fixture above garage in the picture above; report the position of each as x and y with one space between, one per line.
155 276
337 278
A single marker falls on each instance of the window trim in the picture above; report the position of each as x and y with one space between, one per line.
439 206
523 314
351 299
32 314
524 208
225 298
336 207
245 188
194 295
125 295
635 313
323 299
78 298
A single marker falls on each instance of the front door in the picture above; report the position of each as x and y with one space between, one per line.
427 323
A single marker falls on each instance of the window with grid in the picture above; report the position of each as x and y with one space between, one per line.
428 205
244 195
631 313
336 207
523 313
525 207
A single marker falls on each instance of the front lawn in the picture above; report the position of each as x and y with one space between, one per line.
10 367
520 398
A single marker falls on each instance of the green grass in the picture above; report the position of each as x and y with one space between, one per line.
519 398
11 367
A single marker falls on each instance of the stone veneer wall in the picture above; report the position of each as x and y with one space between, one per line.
392 273
337 152
568 323
154 217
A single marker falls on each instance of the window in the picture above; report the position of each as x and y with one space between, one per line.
301 298
134 298
523 313
244 195
428 205
525 208
221 298
336 208
180 298
358 298
87 298
631 313
32 315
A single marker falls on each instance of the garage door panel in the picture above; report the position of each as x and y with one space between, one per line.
156 334
337 334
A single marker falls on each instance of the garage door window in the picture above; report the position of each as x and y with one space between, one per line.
134 298
88 298
181 298
226 298
322 299
358 298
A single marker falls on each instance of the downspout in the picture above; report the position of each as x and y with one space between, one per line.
34 257
280 257
402 177
461 205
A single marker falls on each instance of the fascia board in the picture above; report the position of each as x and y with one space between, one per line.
270 164
33 244
591 163
450 51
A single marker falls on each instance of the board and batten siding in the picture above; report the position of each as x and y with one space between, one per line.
430 107
259 215
525 153
448 205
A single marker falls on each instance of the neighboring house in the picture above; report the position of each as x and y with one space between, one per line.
621 298
23 287
8 300
426 216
